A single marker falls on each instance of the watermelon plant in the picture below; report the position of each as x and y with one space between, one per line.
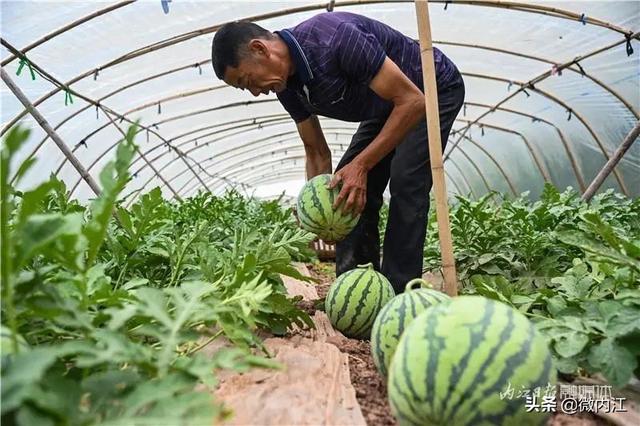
316 214
105 309
570 266
356 298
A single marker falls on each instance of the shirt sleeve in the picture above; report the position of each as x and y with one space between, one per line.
293 105
358 52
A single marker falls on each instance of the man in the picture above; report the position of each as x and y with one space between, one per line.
353 68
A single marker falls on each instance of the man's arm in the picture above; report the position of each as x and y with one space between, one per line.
315 147
391 84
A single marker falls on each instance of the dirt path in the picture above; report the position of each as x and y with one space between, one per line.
371 391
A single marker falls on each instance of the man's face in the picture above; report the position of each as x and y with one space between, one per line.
261 72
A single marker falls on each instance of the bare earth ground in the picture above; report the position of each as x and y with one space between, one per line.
371 390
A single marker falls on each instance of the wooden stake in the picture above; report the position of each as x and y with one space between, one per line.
49 130
613 161
435 147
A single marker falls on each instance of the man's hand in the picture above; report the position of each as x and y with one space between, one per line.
354 187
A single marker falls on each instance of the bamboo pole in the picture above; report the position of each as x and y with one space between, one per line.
435 147
47 128
631 137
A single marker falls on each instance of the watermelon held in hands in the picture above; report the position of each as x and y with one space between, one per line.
396 316
316 214
355 299
456 361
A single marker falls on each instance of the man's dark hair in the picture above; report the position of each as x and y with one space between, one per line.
229 42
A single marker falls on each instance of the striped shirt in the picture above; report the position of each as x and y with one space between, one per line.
337 54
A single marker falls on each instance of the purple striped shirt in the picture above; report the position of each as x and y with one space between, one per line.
337 54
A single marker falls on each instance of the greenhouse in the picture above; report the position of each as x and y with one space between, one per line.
338 212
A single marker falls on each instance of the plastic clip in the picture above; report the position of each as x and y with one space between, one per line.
629 47
569 116
196 142
481 130
159 108
67 97
165 6
97 111
147 135
509 86
331 5
199 68
464 110
583 19
446 4
556 70
580 68
82 143
24 61
95 75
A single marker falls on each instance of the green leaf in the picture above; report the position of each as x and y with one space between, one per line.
570 343
113 178
135 283
22 372
615 361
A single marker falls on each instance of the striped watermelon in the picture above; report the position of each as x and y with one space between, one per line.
455 359
396 316
355 298
316 214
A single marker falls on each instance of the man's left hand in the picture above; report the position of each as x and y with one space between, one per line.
354 187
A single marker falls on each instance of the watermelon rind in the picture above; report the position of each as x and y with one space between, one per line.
455 362
355 299
315 211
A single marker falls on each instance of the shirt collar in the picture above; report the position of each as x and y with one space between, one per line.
303 69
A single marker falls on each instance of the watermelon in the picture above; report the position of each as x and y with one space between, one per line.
355 299
316 214
455 359
396 316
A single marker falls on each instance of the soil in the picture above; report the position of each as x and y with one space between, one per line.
371 390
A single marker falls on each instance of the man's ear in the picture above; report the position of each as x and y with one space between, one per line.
259 47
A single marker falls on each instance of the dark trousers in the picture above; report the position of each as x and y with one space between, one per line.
408 172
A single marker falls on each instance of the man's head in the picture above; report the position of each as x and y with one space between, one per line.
247 56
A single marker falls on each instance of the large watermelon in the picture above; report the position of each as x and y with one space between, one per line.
355 299
455 359
396 316
316 214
